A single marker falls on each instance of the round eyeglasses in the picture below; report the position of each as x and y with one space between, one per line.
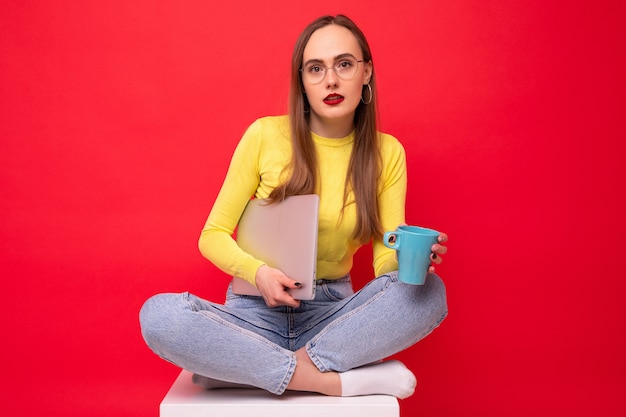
345 68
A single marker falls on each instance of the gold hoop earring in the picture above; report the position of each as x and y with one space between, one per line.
369 87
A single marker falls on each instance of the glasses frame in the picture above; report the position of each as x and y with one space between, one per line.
333 67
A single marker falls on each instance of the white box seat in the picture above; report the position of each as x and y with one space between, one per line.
185 399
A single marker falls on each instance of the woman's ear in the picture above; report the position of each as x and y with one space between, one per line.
367 73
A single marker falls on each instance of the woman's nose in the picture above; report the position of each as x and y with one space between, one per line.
331 77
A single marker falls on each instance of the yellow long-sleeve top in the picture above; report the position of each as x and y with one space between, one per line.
255 170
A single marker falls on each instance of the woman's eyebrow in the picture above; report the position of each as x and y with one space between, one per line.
335 59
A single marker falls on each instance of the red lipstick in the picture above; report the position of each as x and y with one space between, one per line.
333 99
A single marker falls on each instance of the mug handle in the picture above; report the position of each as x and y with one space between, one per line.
395 244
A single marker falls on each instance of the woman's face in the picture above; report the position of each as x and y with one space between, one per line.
334 100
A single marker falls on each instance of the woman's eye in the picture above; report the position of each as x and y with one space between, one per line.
314 69
344 64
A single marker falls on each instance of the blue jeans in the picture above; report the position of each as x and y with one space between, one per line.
246 342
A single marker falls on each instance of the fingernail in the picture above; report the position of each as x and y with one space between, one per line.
298 284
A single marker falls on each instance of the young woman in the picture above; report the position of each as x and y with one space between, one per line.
328 145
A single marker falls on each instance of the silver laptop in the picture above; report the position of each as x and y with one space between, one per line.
284 236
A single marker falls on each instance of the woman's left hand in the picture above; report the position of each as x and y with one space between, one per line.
438 249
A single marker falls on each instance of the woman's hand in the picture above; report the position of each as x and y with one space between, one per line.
273 285
438 249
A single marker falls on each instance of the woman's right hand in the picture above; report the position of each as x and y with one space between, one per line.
273 286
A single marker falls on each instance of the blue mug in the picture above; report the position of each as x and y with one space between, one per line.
413 245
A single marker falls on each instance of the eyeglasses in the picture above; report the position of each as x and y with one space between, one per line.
345 68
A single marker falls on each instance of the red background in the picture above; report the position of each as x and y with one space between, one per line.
118 119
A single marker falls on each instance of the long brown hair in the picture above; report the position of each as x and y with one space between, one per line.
365 161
